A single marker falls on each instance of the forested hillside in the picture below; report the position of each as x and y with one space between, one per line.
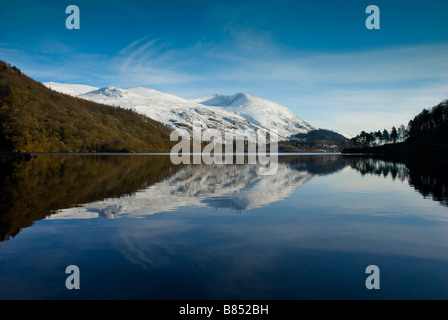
427 132
34 118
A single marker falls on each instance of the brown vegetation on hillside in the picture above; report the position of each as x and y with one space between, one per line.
34 118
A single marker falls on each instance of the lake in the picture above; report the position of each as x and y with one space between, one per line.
139 227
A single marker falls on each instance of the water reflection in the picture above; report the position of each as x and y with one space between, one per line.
69 187
238 187
85 186
308 231
428 175
33 190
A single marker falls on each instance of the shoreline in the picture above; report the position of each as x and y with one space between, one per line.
402 148
7 157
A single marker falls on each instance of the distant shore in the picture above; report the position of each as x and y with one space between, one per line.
415 147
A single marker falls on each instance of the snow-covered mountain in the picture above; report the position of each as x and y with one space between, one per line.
72 89
174 112
264 113
238 114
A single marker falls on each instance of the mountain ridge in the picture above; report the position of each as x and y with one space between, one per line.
262 112
235 113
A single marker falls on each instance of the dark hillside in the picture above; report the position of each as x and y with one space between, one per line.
34 118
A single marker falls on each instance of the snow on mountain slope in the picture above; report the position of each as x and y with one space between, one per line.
238 114
345 134
70 89
264 113
174 112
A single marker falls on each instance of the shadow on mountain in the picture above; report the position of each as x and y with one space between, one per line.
426 174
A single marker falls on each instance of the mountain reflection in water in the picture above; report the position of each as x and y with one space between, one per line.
91 186
238 187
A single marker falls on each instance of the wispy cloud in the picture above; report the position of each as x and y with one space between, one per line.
346 90
143 62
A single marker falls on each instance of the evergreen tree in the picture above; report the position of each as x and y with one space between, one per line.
386 137
370 138
402 133
379 137
394 135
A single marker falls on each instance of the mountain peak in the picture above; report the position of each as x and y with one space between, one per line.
239 111
241 94
262 112
234 100
110 92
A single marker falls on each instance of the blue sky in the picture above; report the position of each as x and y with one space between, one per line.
315 57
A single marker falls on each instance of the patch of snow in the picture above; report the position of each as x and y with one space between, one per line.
70 89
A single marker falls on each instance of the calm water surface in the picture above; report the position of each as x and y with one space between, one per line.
139 227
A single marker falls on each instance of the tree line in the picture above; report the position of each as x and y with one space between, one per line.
379 138
428 120
433 120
